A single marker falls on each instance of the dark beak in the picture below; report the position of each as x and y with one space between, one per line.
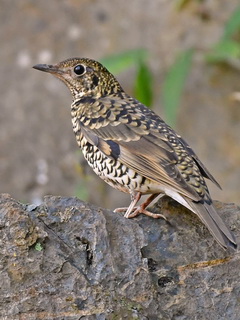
48 68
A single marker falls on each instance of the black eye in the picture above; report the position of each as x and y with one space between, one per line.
79 69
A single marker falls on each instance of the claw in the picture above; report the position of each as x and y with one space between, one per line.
139 210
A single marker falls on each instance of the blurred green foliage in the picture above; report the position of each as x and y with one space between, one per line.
227 49
232 25
173 85
224 51
119 62
143 87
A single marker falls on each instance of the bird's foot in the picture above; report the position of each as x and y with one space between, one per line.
124 209
140 210
135 198
133 211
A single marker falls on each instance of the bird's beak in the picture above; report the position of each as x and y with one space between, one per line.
48 68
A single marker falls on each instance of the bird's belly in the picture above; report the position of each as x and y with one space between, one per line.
116 174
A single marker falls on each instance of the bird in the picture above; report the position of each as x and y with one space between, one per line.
132 149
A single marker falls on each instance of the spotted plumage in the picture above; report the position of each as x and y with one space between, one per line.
132 148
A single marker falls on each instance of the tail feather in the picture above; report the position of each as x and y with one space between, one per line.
209 216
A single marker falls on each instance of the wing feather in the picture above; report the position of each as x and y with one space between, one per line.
141 140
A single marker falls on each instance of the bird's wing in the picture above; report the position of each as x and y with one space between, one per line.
131 133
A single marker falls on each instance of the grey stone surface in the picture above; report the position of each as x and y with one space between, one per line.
38 149
68 260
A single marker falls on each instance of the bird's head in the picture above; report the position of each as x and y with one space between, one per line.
84 77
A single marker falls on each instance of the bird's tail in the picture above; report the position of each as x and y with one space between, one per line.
209 216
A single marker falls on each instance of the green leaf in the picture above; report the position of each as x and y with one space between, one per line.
143 89
119 62
38 246
173 85
224 51
233 24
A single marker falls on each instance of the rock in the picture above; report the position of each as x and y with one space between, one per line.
66 259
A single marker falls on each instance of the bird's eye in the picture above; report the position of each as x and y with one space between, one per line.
79 69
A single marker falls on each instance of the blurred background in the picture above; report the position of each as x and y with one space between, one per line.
179 57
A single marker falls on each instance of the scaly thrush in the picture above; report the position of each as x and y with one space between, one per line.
132 148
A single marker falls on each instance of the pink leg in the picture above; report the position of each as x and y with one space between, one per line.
135 197
142 209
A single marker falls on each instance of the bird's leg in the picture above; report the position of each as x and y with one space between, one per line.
142 209
135 197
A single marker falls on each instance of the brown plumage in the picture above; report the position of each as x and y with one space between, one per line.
132 148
